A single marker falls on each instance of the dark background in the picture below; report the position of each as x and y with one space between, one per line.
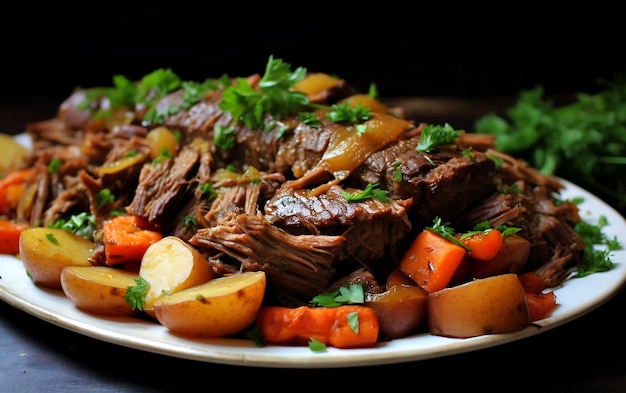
406 49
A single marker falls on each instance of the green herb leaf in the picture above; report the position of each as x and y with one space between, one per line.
136 295
82 224
316 346
345 113
445 230
372 190
433 136
224 137
353 321
274 95
583 141
352 294
104 197
596 259
51 238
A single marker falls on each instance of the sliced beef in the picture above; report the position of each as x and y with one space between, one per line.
433 180
371 227
164 185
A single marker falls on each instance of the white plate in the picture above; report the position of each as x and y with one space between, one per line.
575 298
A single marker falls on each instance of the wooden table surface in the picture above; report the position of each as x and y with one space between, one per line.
584 355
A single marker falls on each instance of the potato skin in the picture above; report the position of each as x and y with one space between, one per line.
401 310
99 289
221 307
45 259
491 305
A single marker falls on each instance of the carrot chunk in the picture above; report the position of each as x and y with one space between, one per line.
10 232
431 261
126 239
484 245
332 326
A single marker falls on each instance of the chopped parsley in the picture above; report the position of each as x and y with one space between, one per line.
345 113
372 190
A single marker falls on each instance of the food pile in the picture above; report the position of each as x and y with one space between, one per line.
287 207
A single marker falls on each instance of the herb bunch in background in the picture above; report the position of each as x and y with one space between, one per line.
583 141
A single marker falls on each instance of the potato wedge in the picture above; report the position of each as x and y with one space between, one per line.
170 265
491 305
99 289
401 310
45 252
221 307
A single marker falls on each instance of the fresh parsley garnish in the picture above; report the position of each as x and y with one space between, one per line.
345 113
372 190
274 95
136 295
224 137
351 294
82 224
595 259
433 136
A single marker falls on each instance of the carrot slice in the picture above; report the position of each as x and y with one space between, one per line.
431 261
328 325
126 239
10 232
484 245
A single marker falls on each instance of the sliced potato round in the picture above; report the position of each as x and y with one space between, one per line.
491 305
221 307
170 265
99 289
45 252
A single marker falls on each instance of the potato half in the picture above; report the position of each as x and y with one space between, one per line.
495 304
221 307
170 265
45 252
99 289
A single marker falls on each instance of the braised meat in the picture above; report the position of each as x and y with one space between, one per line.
272 195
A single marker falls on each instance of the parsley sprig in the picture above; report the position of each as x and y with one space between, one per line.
433 136
372 190
274 95
596 259
583 141
351 294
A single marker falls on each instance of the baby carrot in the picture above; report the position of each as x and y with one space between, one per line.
346 326
126 239
10 232
431 260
